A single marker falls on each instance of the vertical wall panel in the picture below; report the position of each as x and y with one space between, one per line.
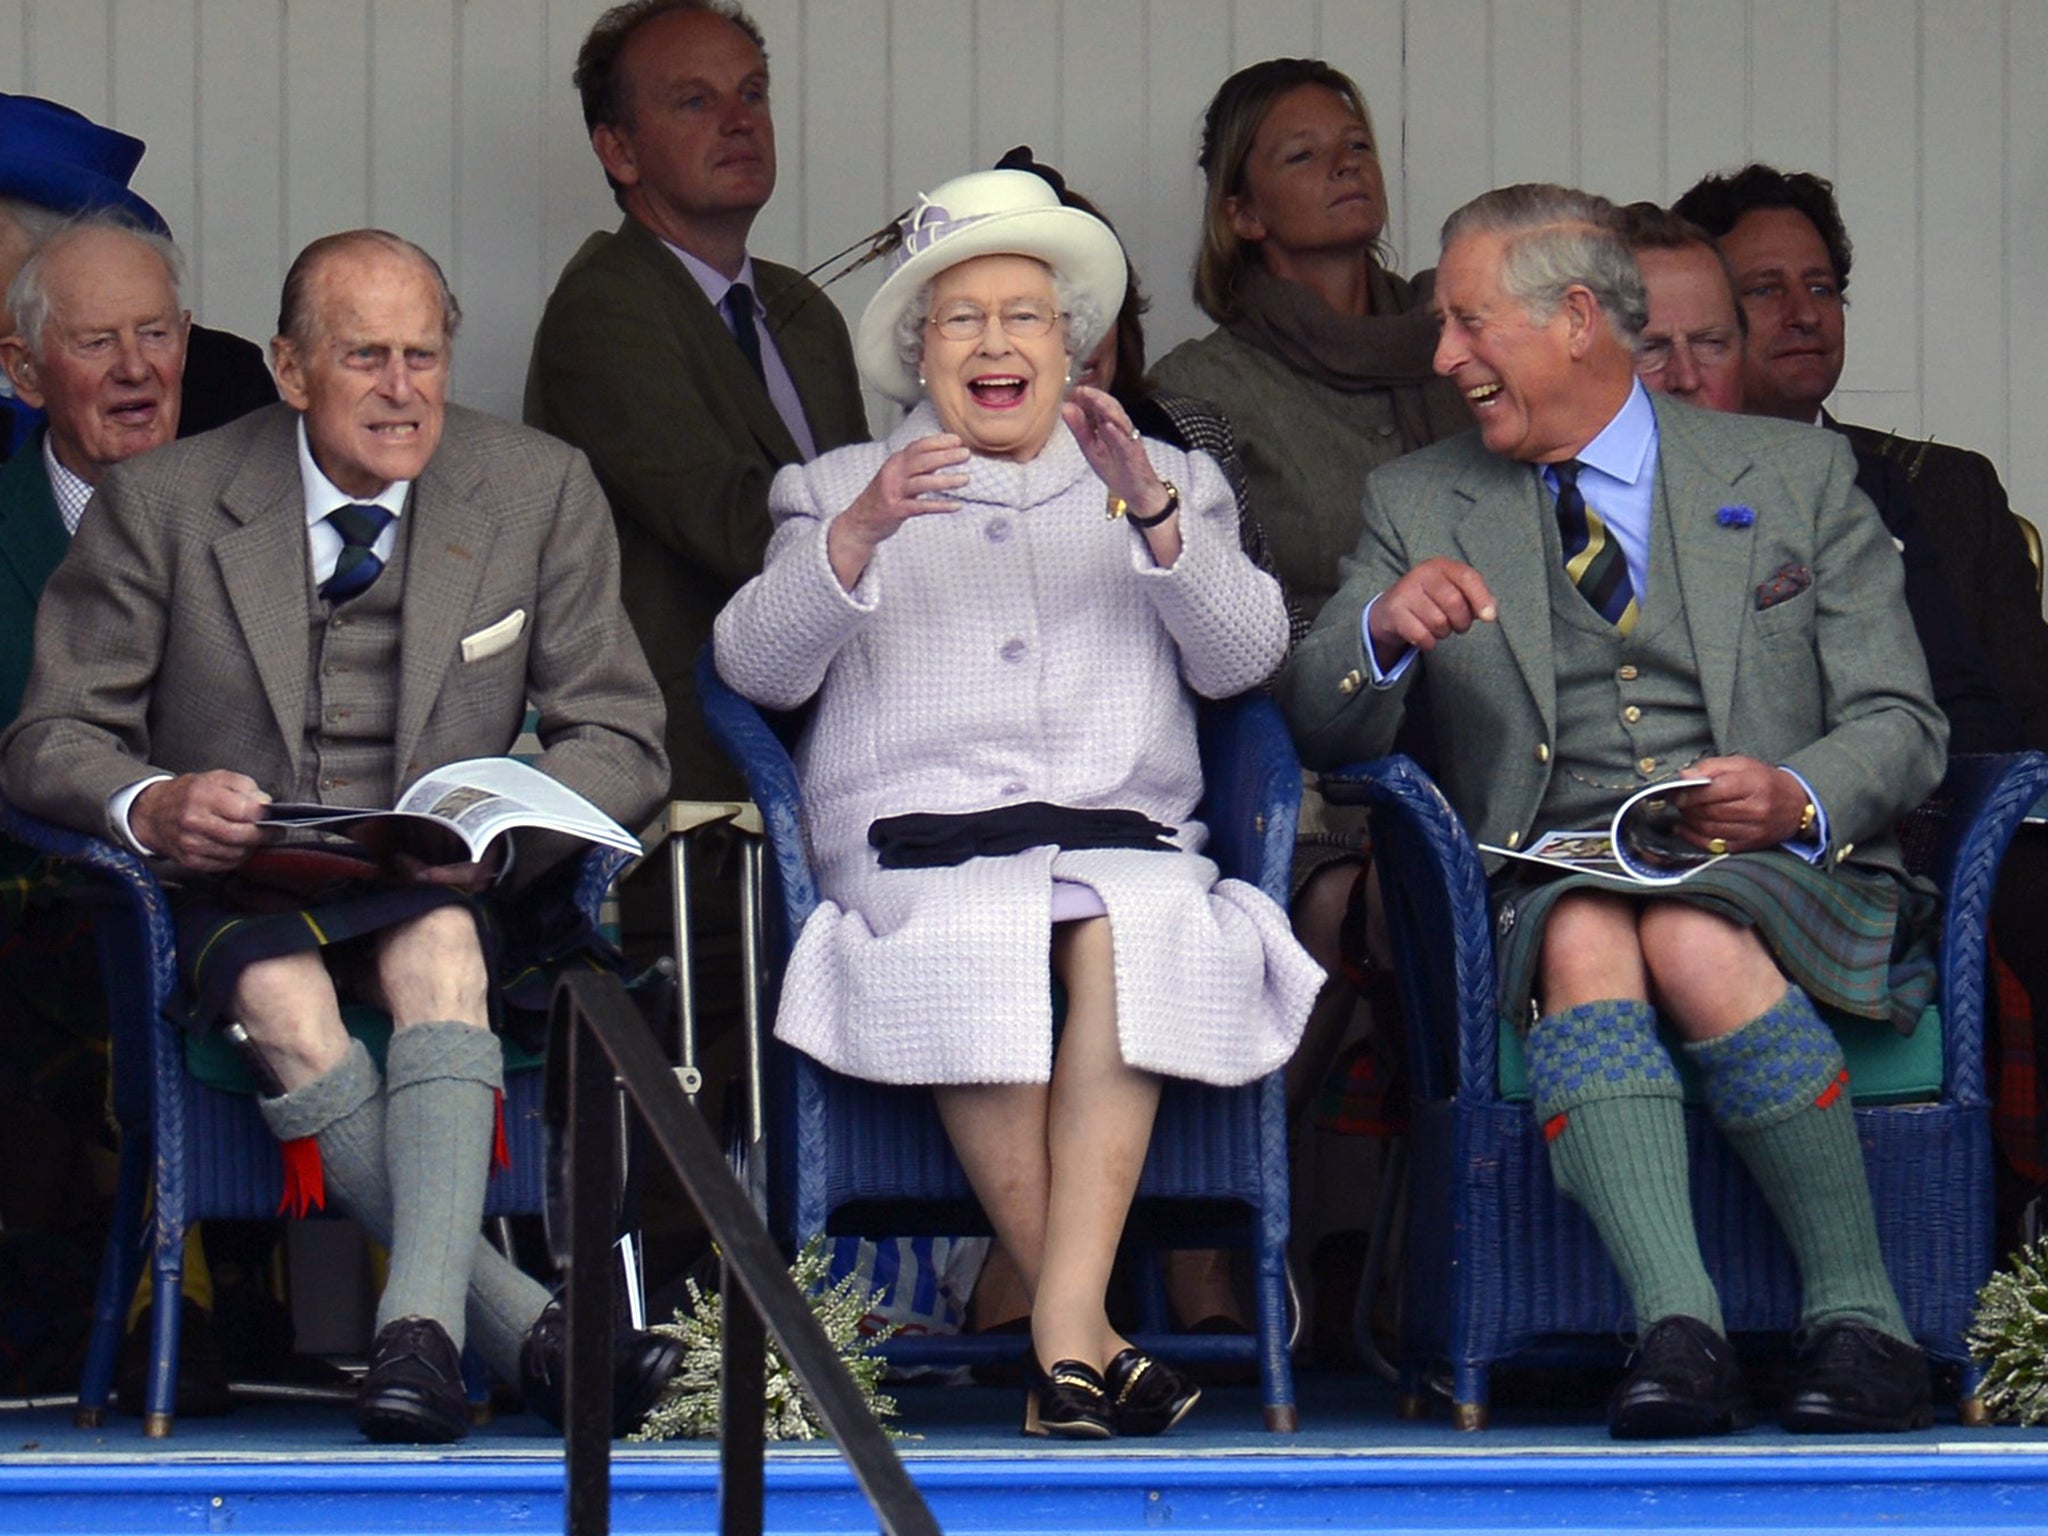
1792 82
2026 238
1364 39
1877 183
1532 109
14 46
846 128
1963 229
931 92
779 230
1102 128
1620 67
326 119
154 61
415 96
574 199
1451 127
240 234
1187 55
1016 80
1706 85
1272 29
67 54
503 47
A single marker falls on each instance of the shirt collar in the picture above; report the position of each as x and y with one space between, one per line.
714 282
323 495
1625 448
70 491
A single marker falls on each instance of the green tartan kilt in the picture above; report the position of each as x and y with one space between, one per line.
1858 940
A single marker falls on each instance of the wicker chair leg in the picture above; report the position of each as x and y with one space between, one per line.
1469 1416
1972 1414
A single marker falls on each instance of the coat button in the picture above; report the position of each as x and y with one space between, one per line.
1514 839
1350 683
1542 751
998 530
1631 714
1627 674
1014 787
1646 766
1012 650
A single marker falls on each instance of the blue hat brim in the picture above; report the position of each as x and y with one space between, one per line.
71 189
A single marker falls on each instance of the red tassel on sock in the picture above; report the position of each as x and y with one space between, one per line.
305 1184
501 1149
1833 1091
1554 1127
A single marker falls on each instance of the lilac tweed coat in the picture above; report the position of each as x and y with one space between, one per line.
1022 648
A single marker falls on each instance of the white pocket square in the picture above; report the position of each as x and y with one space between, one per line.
493 638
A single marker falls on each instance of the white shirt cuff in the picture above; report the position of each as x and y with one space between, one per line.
120 802
1394 673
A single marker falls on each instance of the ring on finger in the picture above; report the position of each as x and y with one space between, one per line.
1135 434
1717 846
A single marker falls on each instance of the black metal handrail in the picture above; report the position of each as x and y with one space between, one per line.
597 1046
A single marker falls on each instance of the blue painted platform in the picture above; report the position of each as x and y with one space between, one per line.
1353 1467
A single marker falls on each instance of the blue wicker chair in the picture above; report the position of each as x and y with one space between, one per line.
847 1156
1499 1264
189 1151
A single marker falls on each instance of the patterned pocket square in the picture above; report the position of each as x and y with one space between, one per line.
1786 583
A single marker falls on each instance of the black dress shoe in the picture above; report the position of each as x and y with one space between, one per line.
1070 1401
1682 1381
413 1393
1147 1396
642 1365
1851 1379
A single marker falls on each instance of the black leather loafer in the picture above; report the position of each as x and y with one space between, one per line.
412 1394
1147 1396
1682 1381
1070 1401
1851 1379
642 1364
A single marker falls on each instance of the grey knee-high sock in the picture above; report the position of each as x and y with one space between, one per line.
440 1099
344 1112
1609 1101
1778 1089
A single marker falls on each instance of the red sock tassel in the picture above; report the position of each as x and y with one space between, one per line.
305 1185
1554 1127
1833 1091
501 1150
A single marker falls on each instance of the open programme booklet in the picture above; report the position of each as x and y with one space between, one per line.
464 806
1641 845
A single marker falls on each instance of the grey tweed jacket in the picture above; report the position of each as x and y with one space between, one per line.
174 636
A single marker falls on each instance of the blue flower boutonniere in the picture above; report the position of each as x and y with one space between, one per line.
1735 517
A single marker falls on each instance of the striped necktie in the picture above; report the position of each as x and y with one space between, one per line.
359 527
1592 558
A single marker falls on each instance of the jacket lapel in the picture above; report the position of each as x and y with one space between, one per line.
704 331
1699 474
448 542
1500 504
263 566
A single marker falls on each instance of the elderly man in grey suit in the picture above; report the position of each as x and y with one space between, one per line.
1604 590
321 602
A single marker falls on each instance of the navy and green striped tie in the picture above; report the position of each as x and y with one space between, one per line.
1592 556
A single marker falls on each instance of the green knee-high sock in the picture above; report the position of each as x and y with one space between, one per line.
1780 1093
344 1111
440 1102
1609 1102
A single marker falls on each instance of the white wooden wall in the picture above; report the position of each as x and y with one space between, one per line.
453 122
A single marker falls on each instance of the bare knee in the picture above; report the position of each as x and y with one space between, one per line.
1590 952
431 969
1710 975
289 1008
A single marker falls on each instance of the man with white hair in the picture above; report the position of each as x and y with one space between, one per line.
1606 590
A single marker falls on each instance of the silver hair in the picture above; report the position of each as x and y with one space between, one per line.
1085 323
36 221
28 296
1559 238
